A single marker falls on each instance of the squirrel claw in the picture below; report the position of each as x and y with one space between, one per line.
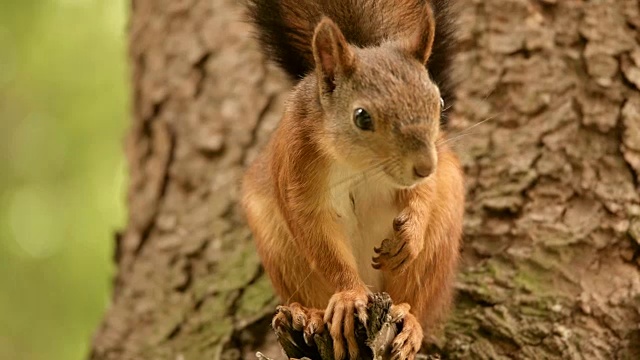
399 220
392 256
397 253
408 342
297 317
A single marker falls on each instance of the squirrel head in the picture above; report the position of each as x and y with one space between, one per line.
381 110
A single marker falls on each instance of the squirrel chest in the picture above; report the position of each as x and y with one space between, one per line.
365 207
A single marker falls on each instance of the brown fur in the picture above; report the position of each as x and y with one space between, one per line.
309 239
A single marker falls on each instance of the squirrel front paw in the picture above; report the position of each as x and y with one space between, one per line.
340 317
408 342
307 320
396 254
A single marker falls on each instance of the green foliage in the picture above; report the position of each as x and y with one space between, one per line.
63 111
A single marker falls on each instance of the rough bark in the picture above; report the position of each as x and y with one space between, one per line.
552 235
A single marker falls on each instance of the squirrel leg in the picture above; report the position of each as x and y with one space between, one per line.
408 342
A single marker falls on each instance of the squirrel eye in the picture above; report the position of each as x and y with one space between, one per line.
441 103
362 119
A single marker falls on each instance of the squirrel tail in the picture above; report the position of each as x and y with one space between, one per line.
285 30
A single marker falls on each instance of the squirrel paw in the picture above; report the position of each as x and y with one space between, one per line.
340 317
295 316
396 254
408 342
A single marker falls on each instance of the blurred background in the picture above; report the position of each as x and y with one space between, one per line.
63 115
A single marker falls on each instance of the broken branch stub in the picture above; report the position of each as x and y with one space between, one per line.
374 339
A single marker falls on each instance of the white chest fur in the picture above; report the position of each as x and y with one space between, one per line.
365 206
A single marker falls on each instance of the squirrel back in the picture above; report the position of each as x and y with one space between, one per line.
285 30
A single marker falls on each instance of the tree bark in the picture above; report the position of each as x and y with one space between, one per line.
547 124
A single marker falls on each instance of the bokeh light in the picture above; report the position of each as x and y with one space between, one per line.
64 106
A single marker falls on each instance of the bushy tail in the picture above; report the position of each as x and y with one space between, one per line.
285 30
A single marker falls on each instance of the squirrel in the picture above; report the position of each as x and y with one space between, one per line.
357 190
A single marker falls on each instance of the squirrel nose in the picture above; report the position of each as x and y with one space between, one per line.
422 170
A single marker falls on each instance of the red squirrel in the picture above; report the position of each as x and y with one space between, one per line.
356 191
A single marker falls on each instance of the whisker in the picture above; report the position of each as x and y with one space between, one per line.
371 176
367 171
360 178
466 131
299 286
490 93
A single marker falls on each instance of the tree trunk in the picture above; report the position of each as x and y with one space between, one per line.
552 235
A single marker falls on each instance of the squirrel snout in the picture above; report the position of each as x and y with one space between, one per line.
424 165
422 169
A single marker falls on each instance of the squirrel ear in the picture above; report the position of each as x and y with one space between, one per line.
332 54
422 43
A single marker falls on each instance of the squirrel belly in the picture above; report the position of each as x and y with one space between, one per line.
365 206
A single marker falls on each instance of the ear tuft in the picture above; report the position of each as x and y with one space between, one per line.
332 54
422 43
